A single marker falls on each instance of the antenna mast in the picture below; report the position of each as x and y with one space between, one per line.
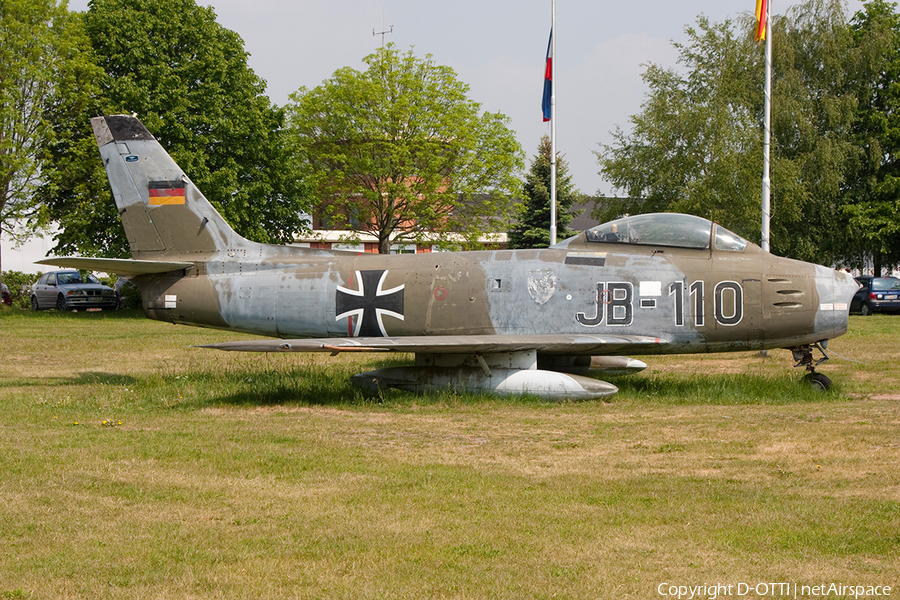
381 33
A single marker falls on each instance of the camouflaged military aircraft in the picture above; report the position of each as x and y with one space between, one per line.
504 321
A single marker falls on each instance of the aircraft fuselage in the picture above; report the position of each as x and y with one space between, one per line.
699 300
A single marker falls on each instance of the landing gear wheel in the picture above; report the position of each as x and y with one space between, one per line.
61 305
818 381
804 357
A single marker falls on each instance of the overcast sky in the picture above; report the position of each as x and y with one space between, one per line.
496 47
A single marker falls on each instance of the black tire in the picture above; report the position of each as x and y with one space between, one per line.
818 381
61 305
34 303
865 310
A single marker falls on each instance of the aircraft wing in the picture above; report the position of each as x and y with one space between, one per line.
119 266
455 344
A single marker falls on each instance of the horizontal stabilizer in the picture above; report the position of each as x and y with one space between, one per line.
119 266
455 344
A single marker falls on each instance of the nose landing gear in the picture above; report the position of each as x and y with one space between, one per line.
804 357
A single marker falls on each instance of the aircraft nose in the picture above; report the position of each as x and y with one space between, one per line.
844 288
835 288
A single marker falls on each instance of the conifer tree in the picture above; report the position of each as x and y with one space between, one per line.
533 230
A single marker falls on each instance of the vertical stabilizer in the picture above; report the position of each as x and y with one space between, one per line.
163 212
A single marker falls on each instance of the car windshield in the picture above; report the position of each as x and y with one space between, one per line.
75 277
666 229
881 284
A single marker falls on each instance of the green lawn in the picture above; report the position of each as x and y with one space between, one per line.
135 466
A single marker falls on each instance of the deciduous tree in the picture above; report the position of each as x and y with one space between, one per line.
40 46
697 144
187 78
400 151
875 185
687 148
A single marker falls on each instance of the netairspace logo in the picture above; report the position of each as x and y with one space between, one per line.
780 589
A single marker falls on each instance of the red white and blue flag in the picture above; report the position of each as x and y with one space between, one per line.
548 81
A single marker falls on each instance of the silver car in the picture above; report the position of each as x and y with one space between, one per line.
70 290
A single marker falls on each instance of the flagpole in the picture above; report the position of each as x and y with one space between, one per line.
767 139
553 125
767 133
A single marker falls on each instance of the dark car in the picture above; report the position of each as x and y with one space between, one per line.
877 294
70 290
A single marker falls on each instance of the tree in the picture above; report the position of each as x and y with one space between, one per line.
687 150
186 76
814 108
875 186
533 230
39 47
401 152
697 145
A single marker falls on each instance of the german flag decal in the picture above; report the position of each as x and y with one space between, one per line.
166 192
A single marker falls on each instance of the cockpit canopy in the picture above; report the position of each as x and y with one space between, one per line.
666 229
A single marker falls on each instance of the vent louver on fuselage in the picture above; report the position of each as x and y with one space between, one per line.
790 296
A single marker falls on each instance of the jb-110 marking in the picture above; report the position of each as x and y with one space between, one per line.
497 321
614 304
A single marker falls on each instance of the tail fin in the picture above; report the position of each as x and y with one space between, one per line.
164 214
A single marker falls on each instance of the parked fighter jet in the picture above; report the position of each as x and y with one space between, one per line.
504 321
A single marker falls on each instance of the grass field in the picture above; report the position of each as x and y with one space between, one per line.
135 466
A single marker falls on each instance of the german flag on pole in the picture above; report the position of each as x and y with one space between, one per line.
762 15
166 192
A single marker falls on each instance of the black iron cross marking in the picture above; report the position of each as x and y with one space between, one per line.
369 304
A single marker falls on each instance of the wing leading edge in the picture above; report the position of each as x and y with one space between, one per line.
119 266
454 344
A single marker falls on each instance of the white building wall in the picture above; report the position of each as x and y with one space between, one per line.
21 258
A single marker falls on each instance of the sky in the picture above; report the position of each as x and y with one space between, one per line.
496 47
